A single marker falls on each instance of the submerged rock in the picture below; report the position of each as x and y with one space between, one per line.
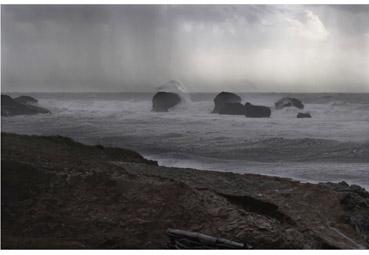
232 109
303 115
11 107
223 98
26 100
257 111
163 101
288 102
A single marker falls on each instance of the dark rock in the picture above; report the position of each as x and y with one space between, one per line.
232 109
99 146
345 187
288 102
303 115
355 202
10 107
5 99
223 98
26 100
257 111
162 101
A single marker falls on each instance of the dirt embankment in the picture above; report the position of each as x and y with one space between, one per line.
57 193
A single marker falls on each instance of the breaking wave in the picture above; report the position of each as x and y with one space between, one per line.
178 88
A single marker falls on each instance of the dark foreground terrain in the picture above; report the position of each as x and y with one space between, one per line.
57 193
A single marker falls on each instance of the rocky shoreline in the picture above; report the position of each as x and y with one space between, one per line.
57 193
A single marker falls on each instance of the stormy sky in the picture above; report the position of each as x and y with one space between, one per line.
296 48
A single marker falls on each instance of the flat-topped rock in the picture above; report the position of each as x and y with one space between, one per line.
232 109
257 111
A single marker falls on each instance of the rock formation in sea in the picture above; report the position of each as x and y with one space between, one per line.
303 115
12 107
232 109
223 98
26 100
170 94
163 101
257 111
289 102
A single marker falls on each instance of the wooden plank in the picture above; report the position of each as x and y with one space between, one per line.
188 239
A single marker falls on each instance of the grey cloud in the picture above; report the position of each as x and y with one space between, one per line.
120 48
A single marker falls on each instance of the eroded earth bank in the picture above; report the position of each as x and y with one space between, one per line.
57 193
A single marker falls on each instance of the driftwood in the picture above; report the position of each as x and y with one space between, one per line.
181 239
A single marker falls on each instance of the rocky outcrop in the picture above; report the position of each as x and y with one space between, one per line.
355 202
224 98
11 107
163 101
289 102
257 111
303 115
232 109
26 100
57 193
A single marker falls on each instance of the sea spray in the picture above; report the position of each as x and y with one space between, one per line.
177 87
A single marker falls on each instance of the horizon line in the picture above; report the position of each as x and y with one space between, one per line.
193 92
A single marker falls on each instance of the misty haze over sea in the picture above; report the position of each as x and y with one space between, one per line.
135 48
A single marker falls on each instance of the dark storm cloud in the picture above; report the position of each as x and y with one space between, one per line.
120 48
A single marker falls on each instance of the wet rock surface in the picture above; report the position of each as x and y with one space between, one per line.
257 111
225 98
57 193
302 115
163 101
232 109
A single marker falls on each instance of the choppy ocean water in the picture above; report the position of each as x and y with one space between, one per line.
331 146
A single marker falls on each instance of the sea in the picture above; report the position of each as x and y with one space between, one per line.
331 146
